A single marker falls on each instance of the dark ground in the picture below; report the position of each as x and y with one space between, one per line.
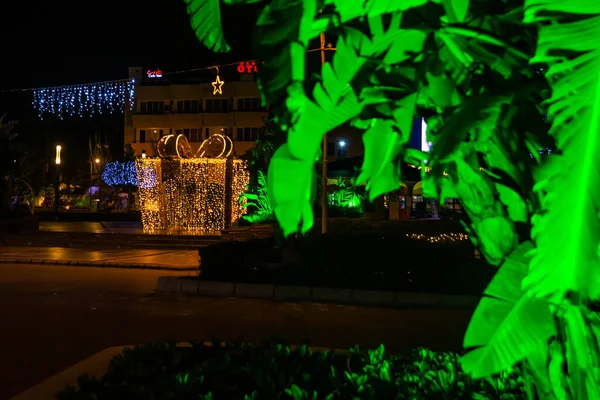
53 317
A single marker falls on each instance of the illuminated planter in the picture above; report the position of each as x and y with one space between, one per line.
190 195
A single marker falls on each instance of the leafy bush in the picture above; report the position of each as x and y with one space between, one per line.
274 371
346 200
257 203
392 262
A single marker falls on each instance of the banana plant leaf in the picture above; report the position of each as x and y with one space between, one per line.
507 325
291 185
205 16
566 257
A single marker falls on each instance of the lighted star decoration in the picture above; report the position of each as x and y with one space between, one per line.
218 85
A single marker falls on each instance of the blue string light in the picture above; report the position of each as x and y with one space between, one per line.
89 99
118 173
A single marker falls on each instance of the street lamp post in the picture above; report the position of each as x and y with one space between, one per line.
97 161
342 144
57 179
324 170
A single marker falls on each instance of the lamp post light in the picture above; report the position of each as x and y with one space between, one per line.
57 161
58 149
342 154
143 153
97 161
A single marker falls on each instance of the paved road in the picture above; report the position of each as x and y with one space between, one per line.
169 258
53 317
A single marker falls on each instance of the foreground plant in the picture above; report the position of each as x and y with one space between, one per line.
274 371
466 67
258 202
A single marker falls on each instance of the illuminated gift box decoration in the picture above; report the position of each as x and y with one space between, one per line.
191 192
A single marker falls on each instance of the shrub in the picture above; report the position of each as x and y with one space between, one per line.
392 262
274 371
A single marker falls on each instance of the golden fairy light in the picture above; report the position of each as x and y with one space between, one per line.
443 238
189 194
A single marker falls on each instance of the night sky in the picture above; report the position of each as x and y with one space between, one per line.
51 43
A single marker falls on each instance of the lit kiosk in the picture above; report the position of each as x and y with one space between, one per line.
182 192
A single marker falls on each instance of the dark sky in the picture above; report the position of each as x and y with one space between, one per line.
48 43
52 43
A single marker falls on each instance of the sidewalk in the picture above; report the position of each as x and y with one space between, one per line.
176 260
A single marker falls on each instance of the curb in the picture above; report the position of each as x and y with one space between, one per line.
372 298
97 365
94 264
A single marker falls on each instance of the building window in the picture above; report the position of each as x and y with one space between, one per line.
152 107
189 106
142 136
248 104
191 134
451 204
217 105
240 134
254 134
416 202
207 133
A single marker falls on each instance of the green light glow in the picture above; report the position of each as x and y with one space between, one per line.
466 67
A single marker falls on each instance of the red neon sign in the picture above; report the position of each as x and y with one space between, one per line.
154 73
247 67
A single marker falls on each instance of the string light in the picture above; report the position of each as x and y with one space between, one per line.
66 101
443 238
241 178
218 85
149 191
188 195
120 174
88 99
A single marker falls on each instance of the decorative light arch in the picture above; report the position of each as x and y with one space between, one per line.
177 146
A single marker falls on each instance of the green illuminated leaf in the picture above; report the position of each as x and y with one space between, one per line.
566 257
334 103
507 326
456 10
291 186
280 40
379 169
237 2
517 209
205 16
351 9
441 91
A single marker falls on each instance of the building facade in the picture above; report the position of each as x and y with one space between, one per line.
193 109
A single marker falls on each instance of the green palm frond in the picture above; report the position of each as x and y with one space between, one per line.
352 9
566 256
281 38
238 2
205 16
507 326
260 198
348 10
334 102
